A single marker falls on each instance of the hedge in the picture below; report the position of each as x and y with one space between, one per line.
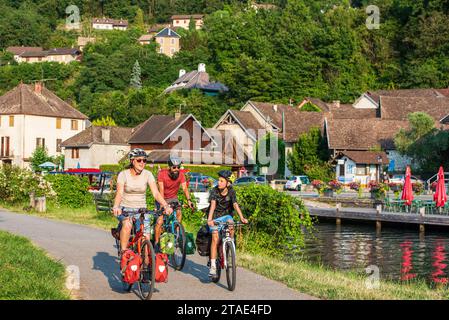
205 170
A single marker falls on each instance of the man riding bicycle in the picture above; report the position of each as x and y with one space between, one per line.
169 181
132 185
223 201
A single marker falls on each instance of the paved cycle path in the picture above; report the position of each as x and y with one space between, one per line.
94 252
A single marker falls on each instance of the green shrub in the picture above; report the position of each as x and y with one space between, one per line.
16 184
71 190
277 220
205 170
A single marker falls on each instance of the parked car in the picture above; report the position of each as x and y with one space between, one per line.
295 182
400 178
250 179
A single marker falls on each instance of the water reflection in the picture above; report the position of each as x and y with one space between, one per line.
400 254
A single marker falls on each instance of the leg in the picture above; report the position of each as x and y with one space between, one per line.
179 215
213 245
157 229
125 232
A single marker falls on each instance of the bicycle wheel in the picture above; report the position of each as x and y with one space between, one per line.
178 258
147 271
231 271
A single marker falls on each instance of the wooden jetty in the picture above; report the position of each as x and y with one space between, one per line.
378 216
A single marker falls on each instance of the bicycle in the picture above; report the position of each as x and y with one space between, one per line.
226 244
143 248
172 225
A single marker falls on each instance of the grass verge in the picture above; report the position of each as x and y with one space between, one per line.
324 283
27 273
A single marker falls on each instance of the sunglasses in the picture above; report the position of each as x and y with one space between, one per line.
141 160
175 167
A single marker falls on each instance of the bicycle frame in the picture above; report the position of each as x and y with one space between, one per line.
225 237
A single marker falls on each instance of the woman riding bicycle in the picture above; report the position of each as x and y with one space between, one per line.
132 186
223 201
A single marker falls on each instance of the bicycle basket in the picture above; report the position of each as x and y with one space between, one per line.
167 243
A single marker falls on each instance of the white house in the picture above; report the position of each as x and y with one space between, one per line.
183 21
109 24
32 116
95 146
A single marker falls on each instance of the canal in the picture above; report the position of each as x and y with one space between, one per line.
400 253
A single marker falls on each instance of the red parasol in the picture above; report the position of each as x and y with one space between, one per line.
407 191
440 196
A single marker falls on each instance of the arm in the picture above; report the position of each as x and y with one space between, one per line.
118 199
187 194
239 211
161 187
159 198
210 217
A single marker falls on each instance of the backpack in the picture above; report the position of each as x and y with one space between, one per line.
130 266
161 270
203 241
167 243
190 243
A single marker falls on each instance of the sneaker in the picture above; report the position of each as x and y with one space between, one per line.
212 272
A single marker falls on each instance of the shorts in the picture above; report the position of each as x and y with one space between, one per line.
146 222
220 219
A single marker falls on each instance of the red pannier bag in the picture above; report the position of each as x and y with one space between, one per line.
161 272
130 266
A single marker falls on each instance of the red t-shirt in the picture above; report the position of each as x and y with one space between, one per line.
171 186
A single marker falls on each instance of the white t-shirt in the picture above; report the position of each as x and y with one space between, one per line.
134 193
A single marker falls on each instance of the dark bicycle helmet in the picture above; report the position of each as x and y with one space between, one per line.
225 174
137 152
174 161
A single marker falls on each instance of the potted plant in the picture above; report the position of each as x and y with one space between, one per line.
318 185
356 186
378 190
333 186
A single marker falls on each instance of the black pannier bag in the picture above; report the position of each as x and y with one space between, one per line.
203 241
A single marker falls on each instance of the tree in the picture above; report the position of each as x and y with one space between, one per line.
310 156
104 122
38 157
139 20
421 124
276 158
136 81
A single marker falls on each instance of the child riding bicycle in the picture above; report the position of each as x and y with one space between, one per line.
223 201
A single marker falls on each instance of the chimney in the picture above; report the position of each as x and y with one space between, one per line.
181 73
106 135
38 87
201 67
177 115
169 32
336 103
275 107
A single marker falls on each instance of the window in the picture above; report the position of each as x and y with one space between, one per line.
360 170
58 145
40 142
4 152
74 125
162 41
75 153
172 41
11 121
172 50
58 123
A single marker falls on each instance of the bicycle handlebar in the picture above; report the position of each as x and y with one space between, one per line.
142 212
236 224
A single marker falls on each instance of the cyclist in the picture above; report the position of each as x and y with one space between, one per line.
169 181
223 201
132 185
